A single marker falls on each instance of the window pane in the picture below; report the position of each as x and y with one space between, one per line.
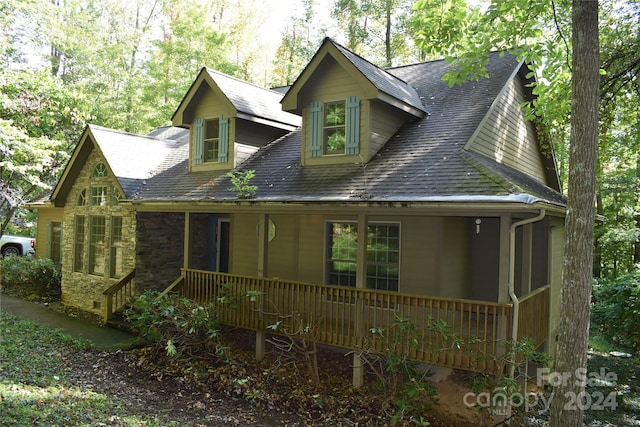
82 198
99 196
334 114
211 129
100 170
115 195
343 249
334 132
383 255
97 245
55 242
78 245
382 258
115 258
335 141
211 140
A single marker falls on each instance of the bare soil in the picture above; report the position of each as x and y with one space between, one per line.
243 392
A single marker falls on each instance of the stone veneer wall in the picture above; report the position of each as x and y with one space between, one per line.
80 289
160 254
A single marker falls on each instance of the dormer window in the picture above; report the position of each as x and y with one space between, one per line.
334 132
335 127
211 140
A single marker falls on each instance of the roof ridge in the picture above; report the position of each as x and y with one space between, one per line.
341 47
246 83
124 132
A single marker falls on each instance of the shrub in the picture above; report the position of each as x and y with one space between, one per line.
615 310
177 325
30 277
404 382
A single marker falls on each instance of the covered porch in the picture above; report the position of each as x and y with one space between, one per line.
468 283
344 317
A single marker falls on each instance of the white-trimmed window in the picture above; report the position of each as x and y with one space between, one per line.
99 195
54 241
115 258
334 127
97 235
211 140
78 243
334 135
383 255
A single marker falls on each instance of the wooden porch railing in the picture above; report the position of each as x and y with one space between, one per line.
118 295
344 317
533 315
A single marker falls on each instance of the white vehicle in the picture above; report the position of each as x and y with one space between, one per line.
17 245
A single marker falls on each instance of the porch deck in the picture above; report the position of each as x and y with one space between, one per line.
456 333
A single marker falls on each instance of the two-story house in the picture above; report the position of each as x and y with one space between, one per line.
380 193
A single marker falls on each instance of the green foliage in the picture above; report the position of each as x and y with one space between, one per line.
176 325
240 184
403 381
616 309
30 277
38 387
45 349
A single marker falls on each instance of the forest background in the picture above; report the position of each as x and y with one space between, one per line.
127 64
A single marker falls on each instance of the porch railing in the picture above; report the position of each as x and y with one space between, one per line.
344 317
118 295
533 315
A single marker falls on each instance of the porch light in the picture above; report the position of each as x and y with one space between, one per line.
478 222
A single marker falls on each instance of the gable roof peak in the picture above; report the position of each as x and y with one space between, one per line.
389 87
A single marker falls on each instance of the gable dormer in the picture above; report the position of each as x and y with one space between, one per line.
229 120
349 107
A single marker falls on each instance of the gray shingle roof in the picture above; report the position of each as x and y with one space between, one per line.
253 100
133 158
424 161
384 81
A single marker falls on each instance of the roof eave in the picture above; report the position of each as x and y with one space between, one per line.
463 205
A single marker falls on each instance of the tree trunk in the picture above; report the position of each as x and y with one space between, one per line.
573 331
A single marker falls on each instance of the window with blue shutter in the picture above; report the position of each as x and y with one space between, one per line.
223 151
334 127
315 129
198 140
353 125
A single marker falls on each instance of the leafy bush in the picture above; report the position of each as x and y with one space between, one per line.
405 383
30 277
615 311
178 325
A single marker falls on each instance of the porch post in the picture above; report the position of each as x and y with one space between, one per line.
263 241
361 283
503 275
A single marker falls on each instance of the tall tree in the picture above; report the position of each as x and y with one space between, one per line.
300 39
617 244
189 41
573 330
379 30
39 122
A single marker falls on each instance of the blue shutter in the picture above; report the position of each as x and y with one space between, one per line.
223 144
198 140
353 125
315 129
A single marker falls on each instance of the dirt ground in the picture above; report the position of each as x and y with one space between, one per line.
247 393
